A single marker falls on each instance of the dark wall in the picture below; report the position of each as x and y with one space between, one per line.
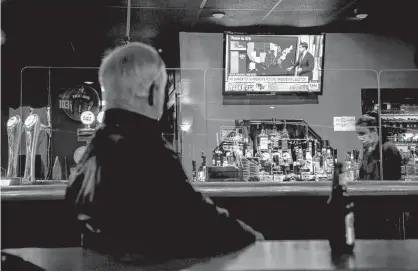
352 62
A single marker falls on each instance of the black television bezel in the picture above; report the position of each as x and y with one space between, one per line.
224 93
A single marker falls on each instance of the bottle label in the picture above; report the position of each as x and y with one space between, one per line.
349 229
263 143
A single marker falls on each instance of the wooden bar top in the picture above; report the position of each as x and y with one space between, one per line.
268 255
55 190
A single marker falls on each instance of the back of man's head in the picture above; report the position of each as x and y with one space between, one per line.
133 78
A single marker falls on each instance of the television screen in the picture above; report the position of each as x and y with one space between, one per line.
272 64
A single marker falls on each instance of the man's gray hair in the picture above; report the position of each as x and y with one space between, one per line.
127 74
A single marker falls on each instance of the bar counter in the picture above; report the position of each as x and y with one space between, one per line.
55 190
268 255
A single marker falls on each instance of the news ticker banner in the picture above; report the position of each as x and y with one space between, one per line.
270 84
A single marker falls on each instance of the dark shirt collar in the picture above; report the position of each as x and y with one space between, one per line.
130 120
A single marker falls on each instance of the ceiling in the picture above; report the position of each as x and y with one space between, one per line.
78 32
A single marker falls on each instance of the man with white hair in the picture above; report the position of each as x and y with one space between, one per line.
130 191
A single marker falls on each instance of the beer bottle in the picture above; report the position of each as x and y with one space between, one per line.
341 215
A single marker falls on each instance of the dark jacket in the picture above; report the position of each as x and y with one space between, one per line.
307 63
370 165
132 193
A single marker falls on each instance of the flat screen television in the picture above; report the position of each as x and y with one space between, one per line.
273 64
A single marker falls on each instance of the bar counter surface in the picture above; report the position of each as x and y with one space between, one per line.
55 190
267 255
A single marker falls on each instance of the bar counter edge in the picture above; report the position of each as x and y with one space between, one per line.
55 190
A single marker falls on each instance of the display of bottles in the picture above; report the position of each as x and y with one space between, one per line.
341 215
279 155
201 173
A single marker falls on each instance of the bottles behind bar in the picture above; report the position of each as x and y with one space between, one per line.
341 215
281 154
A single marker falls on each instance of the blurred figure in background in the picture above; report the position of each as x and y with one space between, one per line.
367 133
130 191
385 223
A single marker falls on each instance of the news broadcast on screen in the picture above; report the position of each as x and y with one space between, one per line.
269 64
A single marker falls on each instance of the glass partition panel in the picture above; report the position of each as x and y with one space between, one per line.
255 133
191 118
398 100
62 106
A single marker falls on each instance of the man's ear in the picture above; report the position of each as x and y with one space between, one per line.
152 89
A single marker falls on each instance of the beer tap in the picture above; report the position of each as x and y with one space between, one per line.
14 135
48 131
32 127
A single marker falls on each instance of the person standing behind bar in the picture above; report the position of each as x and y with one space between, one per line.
383 223
130 191
367 133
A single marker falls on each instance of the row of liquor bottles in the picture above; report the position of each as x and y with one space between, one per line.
277 157
280 166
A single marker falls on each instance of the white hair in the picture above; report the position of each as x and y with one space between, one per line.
127 74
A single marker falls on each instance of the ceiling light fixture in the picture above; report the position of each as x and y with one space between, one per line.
88 82
360 15
271 107
218 15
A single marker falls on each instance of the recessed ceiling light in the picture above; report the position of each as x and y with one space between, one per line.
160 50
218 15
88 82
271 107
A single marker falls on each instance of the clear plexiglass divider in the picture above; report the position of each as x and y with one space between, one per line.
62 106
219 119
398 96
263 128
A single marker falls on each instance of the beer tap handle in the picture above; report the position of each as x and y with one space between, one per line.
48 116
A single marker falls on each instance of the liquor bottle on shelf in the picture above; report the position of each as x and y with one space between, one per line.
194 174
317 159
325 144
296 165
201 173
287 158
341 215
329 161
349 174
262 140
356 165
410 166
274 137
214 156
308 158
